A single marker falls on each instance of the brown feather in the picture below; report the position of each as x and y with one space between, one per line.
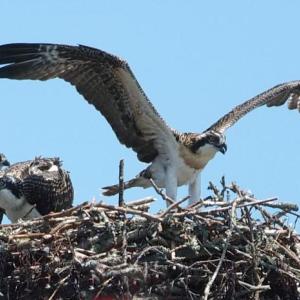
104 80
275 96
48 191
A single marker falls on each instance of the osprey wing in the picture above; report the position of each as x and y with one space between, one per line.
17 170
105 81
47 186
43 182
275 96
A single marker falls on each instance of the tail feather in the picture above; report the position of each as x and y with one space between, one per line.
135 182
111 190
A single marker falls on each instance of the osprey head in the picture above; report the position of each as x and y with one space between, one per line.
3 161
210 141
40 166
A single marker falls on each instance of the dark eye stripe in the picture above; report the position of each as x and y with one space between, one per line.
199 144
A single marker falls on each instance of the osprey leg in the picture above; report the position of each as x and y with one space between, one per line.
171 184
195 190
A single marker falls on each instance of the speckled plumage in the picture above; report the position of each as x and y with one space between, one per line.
42 182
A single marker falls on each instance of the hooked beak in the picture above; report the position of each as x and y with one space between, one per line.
223 148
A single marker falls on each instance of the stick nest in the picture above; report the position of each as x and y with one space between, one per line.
233 247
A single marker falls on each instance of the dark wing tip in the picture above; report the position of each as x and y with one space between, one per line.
110 190
294 102
13 53
276 96
286 92
20 60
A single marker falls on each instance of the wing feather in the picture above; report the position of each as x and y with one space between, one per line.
104 80
275 96
49 191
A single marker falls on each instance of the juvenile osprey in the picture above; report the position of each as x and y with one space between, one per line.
33 188
108 83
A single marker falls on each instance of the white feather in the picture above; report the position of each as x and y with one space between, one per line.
195 189
54 168
16 208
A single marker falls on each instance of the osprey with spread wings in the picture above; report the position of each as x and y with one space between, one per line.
108 83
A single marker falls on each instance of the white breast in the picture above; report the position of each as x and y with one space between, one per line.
9 201
16 208
184 173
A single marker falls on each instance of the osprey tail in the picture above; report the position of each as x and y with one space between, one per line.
135 182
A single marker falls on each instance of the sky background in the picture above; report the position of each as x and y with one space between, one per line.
195 60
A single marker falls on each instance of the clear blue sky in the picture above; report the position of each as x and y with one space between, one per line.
194 59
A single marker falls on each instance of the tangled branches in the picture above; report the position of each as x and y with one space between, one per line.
229 249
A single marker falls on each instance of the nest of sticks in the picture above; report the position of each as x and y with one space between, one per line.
233 247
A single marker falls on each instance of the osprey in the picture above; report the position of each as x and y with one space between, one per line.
34 188
108 83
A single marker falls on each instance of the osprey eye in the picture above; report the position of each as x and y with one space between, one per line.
43 168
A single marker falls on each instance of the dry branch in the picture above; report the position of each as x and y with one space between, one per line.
234 249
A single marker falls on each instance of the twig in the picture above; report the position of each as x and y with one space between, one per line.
161 193
214 276
284 206
198 204
146 200
66 212
104 284
124 251
128 210
27 236
289 253
159 249
188 211
172 206
256 202
121 183
252 245
254 288
63 226
60 284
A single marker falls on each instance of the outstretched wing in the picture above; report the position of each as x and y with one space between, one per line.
275 96
104 80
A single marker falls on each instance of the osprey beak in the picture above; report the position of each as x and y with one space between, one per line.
223 148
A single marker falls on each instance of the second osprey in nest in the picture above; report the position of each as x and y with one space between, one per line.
34 188
108 83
